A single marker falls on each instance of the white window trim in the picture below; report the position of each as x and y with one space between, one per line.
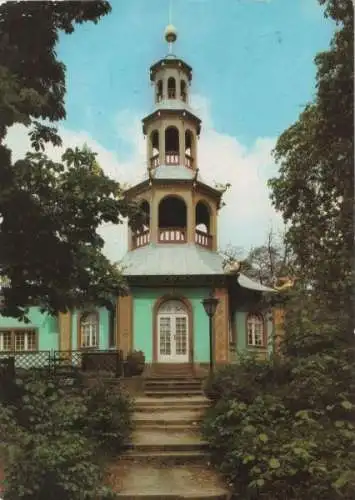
251 322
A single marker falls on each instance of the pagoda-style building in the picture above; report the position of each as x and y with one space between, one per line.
172 263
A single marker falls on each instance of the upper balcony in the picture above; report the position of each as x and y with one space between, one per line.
172 227
172 158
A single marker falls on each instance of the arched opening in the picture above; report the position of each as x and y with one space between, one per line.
142 236
255 330
171 88
188 149
172 146
172 220
172 342
159 91
154 146
88 330
203 222
183 92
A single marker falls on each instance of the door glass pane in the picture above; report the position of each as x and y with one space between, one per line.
165 336
181 335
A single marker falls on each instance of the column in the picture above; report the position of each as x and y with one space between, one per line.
221 326
65 331
125 323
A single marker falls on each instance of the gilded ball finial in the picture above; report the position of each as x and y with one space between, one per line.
170 33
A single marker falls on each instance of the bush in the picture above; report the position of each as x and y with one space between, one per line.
135 363
246 379
46 453
292 440
108 420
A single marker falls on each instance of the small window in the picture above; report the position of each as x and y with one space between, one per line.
18 340
5 341
255 330
89 330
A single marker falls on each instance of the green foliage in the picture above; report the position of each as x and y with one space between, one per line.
314 188
47 454
245 379
135 363
284 428
108 419
50 250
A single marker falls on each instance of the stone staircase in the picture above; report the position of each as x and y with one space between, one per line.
167 458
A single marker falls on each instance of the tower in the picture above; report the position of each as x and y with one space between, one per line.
179 207
172 263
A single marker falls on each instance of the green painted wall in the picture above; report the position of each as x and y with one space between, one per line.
46 325
143 303
103 329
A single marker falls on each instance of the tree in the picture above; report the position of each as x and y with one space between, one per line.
314 189
266 263
50 251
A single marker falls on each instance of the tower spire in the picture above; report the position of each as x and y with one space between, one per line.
170 31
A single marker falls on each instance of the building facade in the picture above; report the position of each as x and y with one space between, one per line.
172 263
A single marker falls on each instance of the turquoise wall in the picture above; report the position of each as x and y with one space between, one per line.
46 325
104 328
143 303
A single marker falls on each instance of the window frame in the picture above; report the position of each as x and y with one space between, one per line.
13 332
81 316
261 317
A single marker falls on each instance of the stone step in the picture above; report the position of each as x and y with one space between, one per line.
168 426
169 381
168 457
166 440
154 406
173 392
172 401
151 481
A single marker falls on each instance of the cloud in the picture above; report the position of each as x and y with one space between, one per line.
247 215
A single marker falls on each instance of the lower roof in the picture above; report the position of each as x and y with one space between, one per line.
180 260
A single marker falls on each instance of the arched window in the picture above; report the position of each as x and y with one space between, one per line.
173 331
154 145
188 149
159 90
172 220
89 330
142 236
183 90
202 217
172 146
171 88
255 330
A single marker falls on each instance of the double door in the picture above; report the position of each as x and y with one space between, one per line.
173 338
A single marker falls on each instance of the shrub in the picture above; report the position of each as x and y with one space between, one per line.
108 420
135 363
293 440
246 379
46 453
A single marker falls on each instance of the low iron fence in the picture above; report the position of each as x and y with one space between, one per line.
62 363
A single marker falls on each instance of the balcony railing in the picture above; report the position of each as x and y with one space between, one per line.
203 239
141 239
189 161
155 161
171 93
172 158
172 235
184 96
159 97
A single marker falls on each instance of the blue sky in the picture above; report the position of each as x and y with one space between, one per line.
253 74
252 59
